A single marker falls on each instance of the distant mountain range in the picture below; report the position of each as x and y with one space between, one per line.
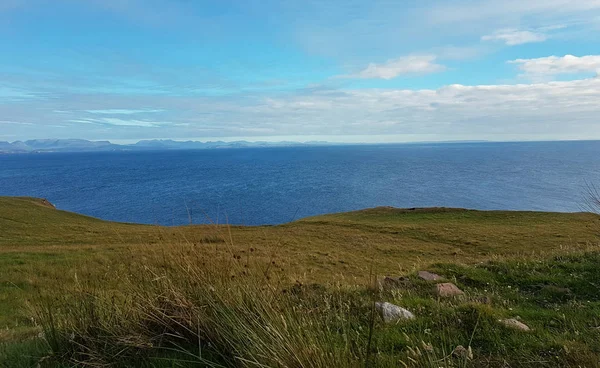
82 145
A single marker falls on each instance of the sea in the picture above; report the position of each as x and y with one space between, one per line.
274 185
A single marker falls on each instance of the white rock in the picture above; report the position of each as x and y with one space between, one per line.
516 324
392 313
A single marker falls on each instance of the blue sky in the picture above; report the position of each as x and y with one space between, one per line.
355 71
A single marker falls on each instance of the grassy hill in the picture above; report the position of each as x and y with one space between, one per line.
539 265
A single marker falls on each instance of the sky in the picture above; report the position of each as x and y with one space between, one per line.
336 70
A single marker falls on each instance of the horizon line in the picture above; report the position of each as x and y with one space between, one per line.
125 142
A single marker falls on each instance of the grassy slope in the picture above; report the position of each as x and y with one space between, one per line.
41 247
392 239
343 246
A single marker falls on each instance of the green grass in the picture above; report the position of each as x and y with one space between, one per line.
298 294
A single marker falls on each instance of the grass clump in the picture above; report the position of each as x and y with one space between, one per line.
189 310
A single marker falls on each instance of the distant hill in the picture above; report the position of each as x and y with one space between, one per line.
82 145
57 145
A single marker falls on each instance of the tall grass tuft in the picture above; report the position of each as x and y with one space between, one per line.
182 306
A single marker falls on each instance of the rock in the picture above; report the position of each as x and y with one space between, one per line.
429 276
392 313
448 289
514 323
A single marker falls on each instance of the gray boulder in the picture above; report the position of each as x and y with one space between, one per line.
429 276
392 313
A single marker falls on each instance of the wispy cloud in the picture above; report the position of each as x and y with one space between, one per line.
556 65
121 122
10 93
124 111
14 122
513 37
406 65
518 36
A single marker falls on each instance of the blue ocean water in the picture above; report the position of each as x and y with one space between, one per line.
277 185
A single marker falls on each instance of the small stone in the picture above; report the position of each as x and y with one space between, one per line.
448 289
516 324
392 313
429 276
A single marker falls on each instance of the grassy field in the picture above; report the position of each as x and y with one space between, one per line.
299 294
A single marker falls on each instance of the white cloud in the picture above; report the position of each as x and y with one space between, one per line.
513 37
406 65
557 110
555 65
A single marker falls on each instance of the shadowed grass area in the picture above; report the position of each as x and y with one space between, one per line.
297 294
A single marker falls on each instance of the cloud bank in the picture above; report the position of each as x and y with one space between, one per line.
556 65
551 110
